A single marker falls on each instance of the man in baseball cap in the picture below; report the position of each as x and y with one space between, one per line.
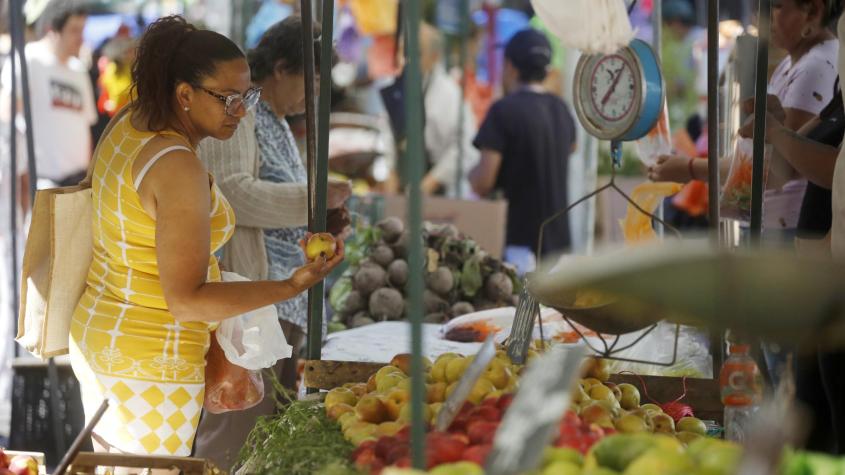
525 143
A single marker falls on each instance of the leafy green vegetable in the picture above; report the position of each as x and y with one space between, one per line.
299 440
471 280
359 245
340 290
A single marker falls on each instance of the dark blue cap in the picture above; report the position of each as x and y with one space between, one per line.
529 49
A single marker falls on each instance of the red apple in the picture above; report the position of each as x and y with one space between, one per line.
477 453
505 401
486 413
482 432
365 458
444 448
398 452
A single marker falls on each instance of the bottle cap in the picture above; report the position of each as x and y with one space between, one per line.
737 348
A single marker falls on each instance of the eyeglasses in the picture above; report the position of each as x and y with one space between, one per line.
234 102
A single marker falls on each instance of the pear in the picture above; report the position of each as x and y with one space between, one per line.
663 423
630 398
692 424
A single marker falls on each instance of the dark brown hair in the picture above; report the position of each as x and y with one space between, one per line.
170 52
832 11
282 43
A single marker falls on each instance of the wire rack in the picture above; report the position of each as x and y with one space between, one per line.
588 317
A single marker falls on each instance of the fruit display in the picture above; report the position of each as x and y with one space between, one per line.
460 278
17 464
374 416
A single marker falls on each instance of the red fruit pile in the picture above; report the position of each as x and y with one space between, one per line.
577 434
469 438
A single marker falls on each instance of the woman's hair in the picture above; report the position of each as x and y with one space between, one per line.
173 51
832 11
282 43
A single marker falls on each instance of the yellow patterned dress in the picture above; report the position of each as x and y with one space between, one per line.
124 343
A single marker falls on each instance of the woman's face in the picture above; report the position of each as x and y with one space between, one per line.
288 97
790 19
208 104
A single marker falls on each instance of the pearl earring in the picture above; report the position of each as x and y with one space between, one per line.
187 108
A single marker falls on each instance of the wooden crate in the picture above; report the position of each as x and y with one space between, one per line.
702 394
87 463
325 374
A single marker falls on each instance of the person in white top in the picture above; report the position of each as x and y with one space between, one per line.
803 82
443 141
61 94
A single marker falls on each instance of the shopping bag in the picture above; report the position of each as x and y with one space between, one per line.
55 267
375 17
253 340
229 387
56 260
591 26
735 201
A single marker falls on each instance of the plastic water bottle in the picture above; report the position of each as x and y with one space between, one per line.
741 389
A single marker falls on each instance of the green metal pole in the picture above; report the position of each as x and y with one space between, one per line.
414 167
463 37
317 167
760 91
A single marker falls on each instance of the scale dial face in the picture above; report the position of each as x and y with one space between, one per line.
612 88
609 93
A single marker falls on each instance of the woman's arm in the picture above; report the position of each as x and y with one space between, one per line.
814 160
257 203
179 185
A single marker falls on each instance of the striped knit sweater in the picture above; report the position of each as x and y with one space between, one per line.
258 204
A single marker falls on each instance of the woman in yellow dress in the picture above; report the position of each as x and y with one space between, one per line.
141 330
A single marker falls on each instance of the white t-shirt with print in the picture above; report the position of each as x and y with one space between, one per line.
63 110
806 85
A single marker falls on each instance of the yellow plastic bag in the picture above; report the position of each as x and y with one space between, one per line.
374 17
637 227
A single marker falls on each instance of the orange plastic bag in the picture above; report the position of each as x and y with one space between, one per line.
637 227
382 61
228 387
692 199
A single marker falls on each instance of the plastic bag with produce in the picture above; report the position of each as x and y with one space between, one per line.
735 201
229 387
657 142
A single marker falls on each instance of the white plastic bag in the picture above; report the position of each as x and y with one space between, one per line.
591 26
255 339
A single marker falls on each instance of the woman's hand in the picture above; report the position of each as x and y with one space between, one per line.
313 272
672 168
775 117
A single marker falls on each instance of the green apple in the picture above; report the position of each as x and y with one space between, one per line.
630 423
692 424
630 399
562 454
663 423
561 468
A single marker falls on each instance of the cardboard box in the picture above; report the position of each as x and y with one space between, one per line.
484 221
